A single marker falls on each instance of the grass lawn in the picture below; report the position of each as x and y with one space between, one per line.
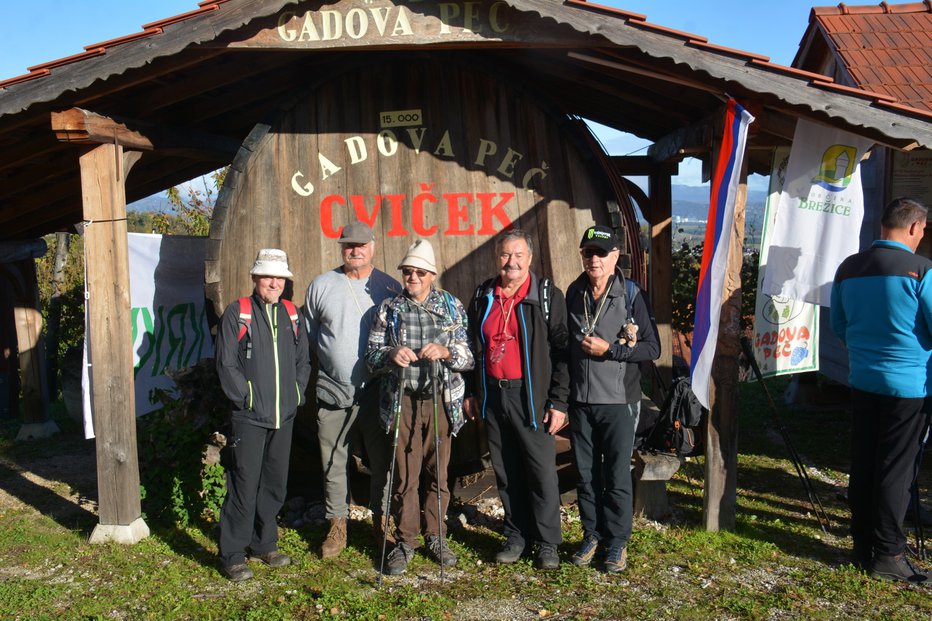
776 564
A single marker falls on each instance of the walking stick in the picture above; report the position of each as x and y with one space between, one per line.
435 381
821 516
391 473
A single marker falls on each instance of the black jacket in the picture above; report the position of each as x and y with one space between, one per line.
263 392
543 347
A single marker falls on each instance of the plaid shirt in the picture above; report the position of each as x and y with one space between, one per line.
440 319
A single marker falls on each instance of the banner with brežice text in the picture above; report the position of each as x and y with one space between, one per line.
819 216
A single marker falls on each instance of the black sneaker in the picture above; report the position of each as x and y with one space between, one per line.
897 568
398 559
586 552
616 559
440 551
273 559
547 556
237 573
510 552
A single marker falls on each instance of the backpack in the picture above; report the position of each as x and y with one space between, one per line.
678 428
245 318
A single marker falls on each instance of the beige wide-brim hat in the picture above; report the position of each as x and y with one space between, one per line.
271 262
420 254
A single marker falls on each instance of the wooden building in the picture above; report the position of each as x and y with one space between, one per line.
448 120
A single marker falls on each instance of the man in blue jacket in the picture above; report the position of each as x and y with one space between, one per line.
882 310
263 363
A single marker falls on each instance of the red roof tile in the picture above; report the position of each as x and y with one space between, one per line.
885 48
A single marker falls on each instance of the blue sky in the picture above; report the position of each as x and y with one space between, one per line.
38 31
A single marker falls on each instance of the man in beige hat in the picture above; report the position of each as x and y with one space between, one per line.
262 360
420 337
339 308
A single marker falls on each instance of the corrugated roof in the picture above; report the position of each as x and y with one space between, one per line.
885 48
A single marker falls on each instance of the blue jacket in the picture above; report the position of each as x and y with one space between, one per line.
882 310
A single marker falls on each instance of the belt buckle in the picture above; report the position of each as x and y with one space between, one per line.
504 383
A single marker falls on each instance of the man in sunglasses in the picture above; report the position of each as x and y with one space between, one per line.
417 338
611 329
339 308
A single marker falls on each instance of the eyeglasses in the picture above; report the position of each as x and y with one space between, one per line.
595 252
407 271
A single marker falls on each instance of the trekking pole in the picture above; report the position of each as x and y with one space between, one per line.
391 474
435 381
820 514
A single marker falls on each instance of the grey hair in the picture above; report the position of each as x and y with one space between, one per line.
902 212
512 234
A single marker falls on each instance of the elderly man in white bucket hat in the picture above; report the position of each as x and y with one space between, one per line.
419 346
263 363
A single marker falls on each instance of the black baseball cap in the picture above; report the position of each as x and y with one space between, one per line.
599 236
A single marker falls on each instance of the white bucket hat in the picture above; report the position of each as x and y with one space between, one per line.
420 254
271 262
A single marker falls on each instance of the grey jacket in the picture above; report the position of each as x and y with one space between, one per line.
615 377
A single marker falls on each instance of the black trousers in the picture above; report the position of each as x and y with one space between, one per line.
256 487
885 442
603 439
525 465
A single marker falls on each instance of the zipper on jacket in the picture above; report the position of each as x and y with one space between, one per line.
527 361
249 387
273 321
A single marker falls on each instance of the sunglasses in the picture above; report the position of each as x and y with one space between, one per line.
407 271
594 252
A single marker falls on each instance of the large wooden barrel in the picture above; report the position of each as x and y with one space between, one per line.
416 148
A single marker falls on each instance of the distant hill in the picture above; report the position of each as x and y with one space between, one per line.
152 204
692 202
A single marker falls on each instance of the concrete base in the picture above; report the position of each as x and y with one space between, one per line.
37 431
133 533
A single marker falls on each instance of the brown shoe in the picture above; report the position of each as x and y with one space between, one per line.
382 527
336 539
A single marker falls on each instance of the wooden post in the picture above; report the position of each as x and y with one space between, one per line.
721 450
111 354
36 422
661 256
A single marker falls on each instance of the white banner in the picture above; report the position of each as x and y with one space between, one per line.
785 330
168 314
819 216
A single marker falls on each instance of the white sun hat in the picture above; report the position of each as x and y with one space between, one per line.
271 262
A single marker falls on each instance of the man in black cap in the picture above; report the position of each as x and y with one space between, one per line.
611 329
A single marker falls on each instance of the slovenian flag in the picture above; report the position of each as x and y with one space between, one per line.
716 246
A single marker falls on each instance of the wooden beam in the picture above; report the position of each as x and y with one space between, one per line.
721 450
660 190
682 142
85 127
111 349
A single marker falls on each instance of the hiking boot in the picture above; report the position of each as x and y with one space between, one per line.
336 539
381 528
547 556
510 552
398 559
616 559
440 551
237 573
586 552
273 559
897 568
